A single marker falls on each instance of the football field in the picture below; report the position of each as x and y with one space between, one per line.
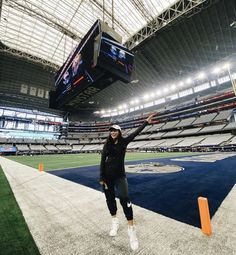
64 161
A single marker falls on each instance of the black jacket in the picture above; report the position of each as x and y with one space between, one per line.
113 156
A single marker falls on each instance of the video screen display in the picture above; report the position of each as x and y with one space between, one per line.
97 61
115 58
78 71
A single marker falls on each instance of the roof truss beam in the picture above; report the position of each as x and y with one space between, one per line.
110 15
45 17
178 9
29 57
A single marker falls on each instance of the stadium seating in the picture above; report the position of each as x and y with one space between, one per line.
205 118
189 126
213 140
185 122
189 141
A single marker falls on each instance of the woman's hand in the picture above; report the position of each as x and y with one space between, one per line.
102 182
149 118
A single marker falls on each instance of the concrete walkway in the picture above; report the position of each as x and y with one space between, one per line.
68 218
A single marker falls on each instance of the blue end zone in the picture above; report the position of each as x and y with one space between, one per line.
171 194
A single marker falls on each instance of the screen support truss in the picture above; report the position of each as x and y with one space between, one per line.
28 57
175 11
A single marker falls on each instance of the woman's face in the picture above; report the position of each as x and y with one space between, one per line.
114 134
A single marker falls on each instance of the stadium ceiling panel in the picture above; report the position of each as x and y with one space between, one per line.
50 29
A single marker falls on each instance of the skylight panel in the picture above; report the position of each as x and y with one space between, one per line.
39 36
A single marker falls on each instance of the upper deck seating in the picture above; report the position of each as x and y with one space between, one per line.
205 118
190 131
223 115
172 133
170 124
213 140
190 141
156 127
230 126
210 129
186 122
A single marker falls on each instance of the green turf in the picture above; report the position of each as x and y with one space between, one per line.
62 161
15 237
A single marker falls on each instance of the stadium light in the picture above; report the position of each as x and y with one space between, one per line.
166 90
134 101
158 92
189 80
201 75
102 111
226 66
146 97
216 70
173 87
181 84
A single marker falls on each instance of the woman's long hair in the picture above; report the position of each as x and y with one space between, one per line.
111 141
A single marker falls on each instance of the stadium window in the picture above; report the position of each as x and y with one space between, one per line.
213 83
8 113
136 108
172 97
160 101
201 87
49 118
186 92
24 89
58 119
46 94
40 117
234 75
148 104
20 125
31 127
1 112
41 127
223 79
30 116
51 128
9 124
21 115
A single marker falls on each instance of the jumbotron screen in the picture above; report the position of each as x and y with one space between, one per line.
115 58
78 72
97 59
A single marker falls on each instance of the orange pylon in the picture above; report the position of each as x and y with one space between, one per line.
204 215
41 167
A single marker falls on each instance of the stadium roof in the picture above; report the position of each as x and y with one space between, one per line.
51 29
175 39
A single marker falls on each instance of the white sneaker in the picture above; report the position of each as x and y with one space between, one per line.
114 227
133 240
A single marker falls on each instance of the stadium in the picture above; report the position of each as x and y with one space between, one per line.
160 72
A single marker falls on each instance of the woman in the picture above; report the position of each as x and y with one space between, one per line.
112 175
